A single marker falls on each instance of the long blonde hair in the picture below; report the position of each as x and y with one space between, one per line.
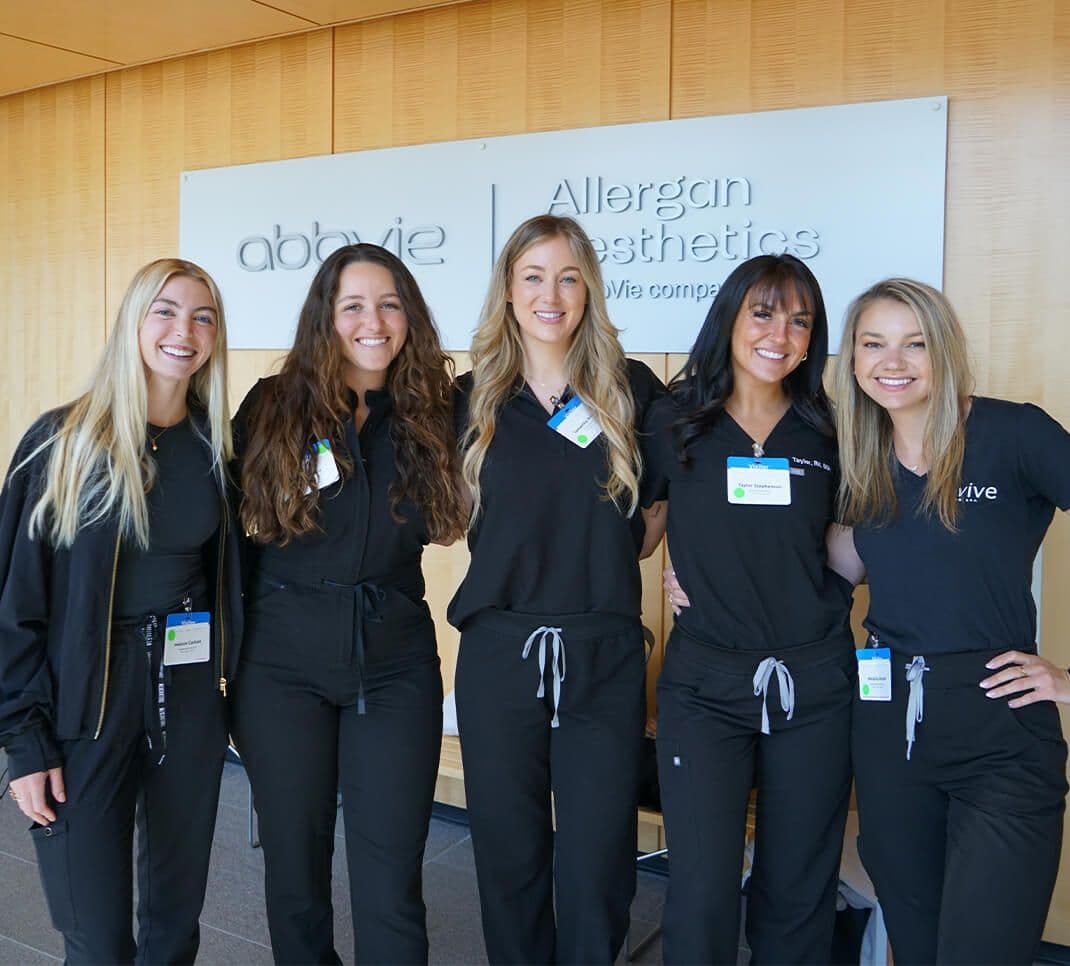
99 464
595 365
867 487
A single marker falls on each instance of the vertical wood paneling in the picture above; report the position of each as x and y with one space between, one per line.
500 67
51 249
259 102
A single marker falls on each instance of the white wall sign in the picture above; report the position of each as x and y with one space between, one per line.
857 191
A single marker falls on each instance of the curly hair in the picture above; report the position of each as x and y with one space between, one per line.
309 400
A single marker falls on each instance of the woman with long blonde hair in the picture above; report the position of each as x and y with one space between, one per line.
551 464
120 620
348 470
946 497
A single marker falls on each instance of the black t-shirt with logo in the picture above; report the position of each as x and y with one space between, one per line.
547 540
934 591
757 576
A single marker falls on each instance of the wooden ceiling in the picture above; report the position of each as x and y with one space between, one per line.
47 41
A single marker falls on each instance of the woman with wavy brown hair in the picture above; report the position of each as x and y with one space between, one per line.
347 471
553 470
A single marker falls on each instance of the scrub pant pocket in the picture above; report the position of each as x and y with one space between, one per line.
53 861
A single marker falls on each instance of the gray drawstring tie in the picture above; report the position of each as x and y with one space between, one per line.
557 663
916 701
761 688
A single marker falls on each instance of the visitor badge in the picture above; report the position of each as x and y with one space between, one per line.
326 468
759 481
187 638
576 423
874 673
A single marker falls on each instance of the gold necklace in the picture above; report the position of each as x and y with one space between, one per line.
153 440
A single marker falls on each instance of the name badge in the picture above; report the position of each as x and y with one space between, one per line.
576 423
326 467
187 638
759 481
874 673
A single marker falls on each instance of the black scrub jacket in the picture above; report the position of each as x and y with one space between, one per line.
757 576
548 541
310 594
933 591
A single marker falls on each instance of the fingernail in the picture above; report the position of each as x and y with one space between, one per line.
989 665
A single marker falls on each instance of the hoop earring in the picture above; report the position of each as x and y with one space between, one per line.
806 355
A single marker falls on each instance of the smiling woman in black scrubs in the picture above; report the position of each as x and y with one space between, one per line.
114 535
960 792
756 686
550 672
347 472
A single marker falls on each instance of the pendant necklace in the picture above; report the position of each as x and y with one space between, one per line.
153 440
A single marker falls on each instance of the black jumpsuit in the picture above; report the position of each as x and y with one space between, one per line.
340 690
755 693
550 681
962 840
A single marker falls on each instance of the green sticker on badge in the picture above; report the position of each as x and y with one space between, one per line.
865 689
170 635
740 493
581 438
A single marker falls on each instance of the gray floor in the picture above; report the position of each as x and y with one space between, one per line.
233 927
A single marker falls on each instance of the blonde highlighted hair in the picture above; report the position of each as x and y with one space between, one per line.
98 463
595 366
867 455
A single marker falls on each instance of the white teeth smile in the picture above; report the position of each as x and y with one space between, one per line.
550 316
372 343
887 381
177 353
768 354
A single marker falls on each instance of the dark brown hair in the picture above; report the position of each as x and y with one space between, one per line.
309 400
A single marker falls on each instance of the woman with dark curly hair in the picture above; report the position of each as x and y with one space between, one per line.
348 463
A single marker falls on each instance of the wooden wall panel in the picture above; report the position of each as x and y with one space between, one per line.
500 67
51 249
260 102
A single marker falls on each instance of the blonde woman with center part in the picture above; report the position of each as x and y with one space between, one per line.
120 619
550 672
958 752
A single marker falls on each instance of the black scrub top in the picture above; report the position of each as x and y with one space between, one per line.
314 589
184 513
547 540
757 576
934 591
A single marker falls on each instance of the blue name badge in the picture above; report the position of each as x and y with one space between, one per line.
187 638
576 423
759 481
874 673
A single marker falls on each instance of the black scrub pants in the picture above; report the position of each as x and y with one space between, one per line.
711 753
514 758
302 740
963 840
85 856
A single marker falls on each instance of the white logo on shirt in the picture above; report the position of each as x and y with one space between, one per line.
975 493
